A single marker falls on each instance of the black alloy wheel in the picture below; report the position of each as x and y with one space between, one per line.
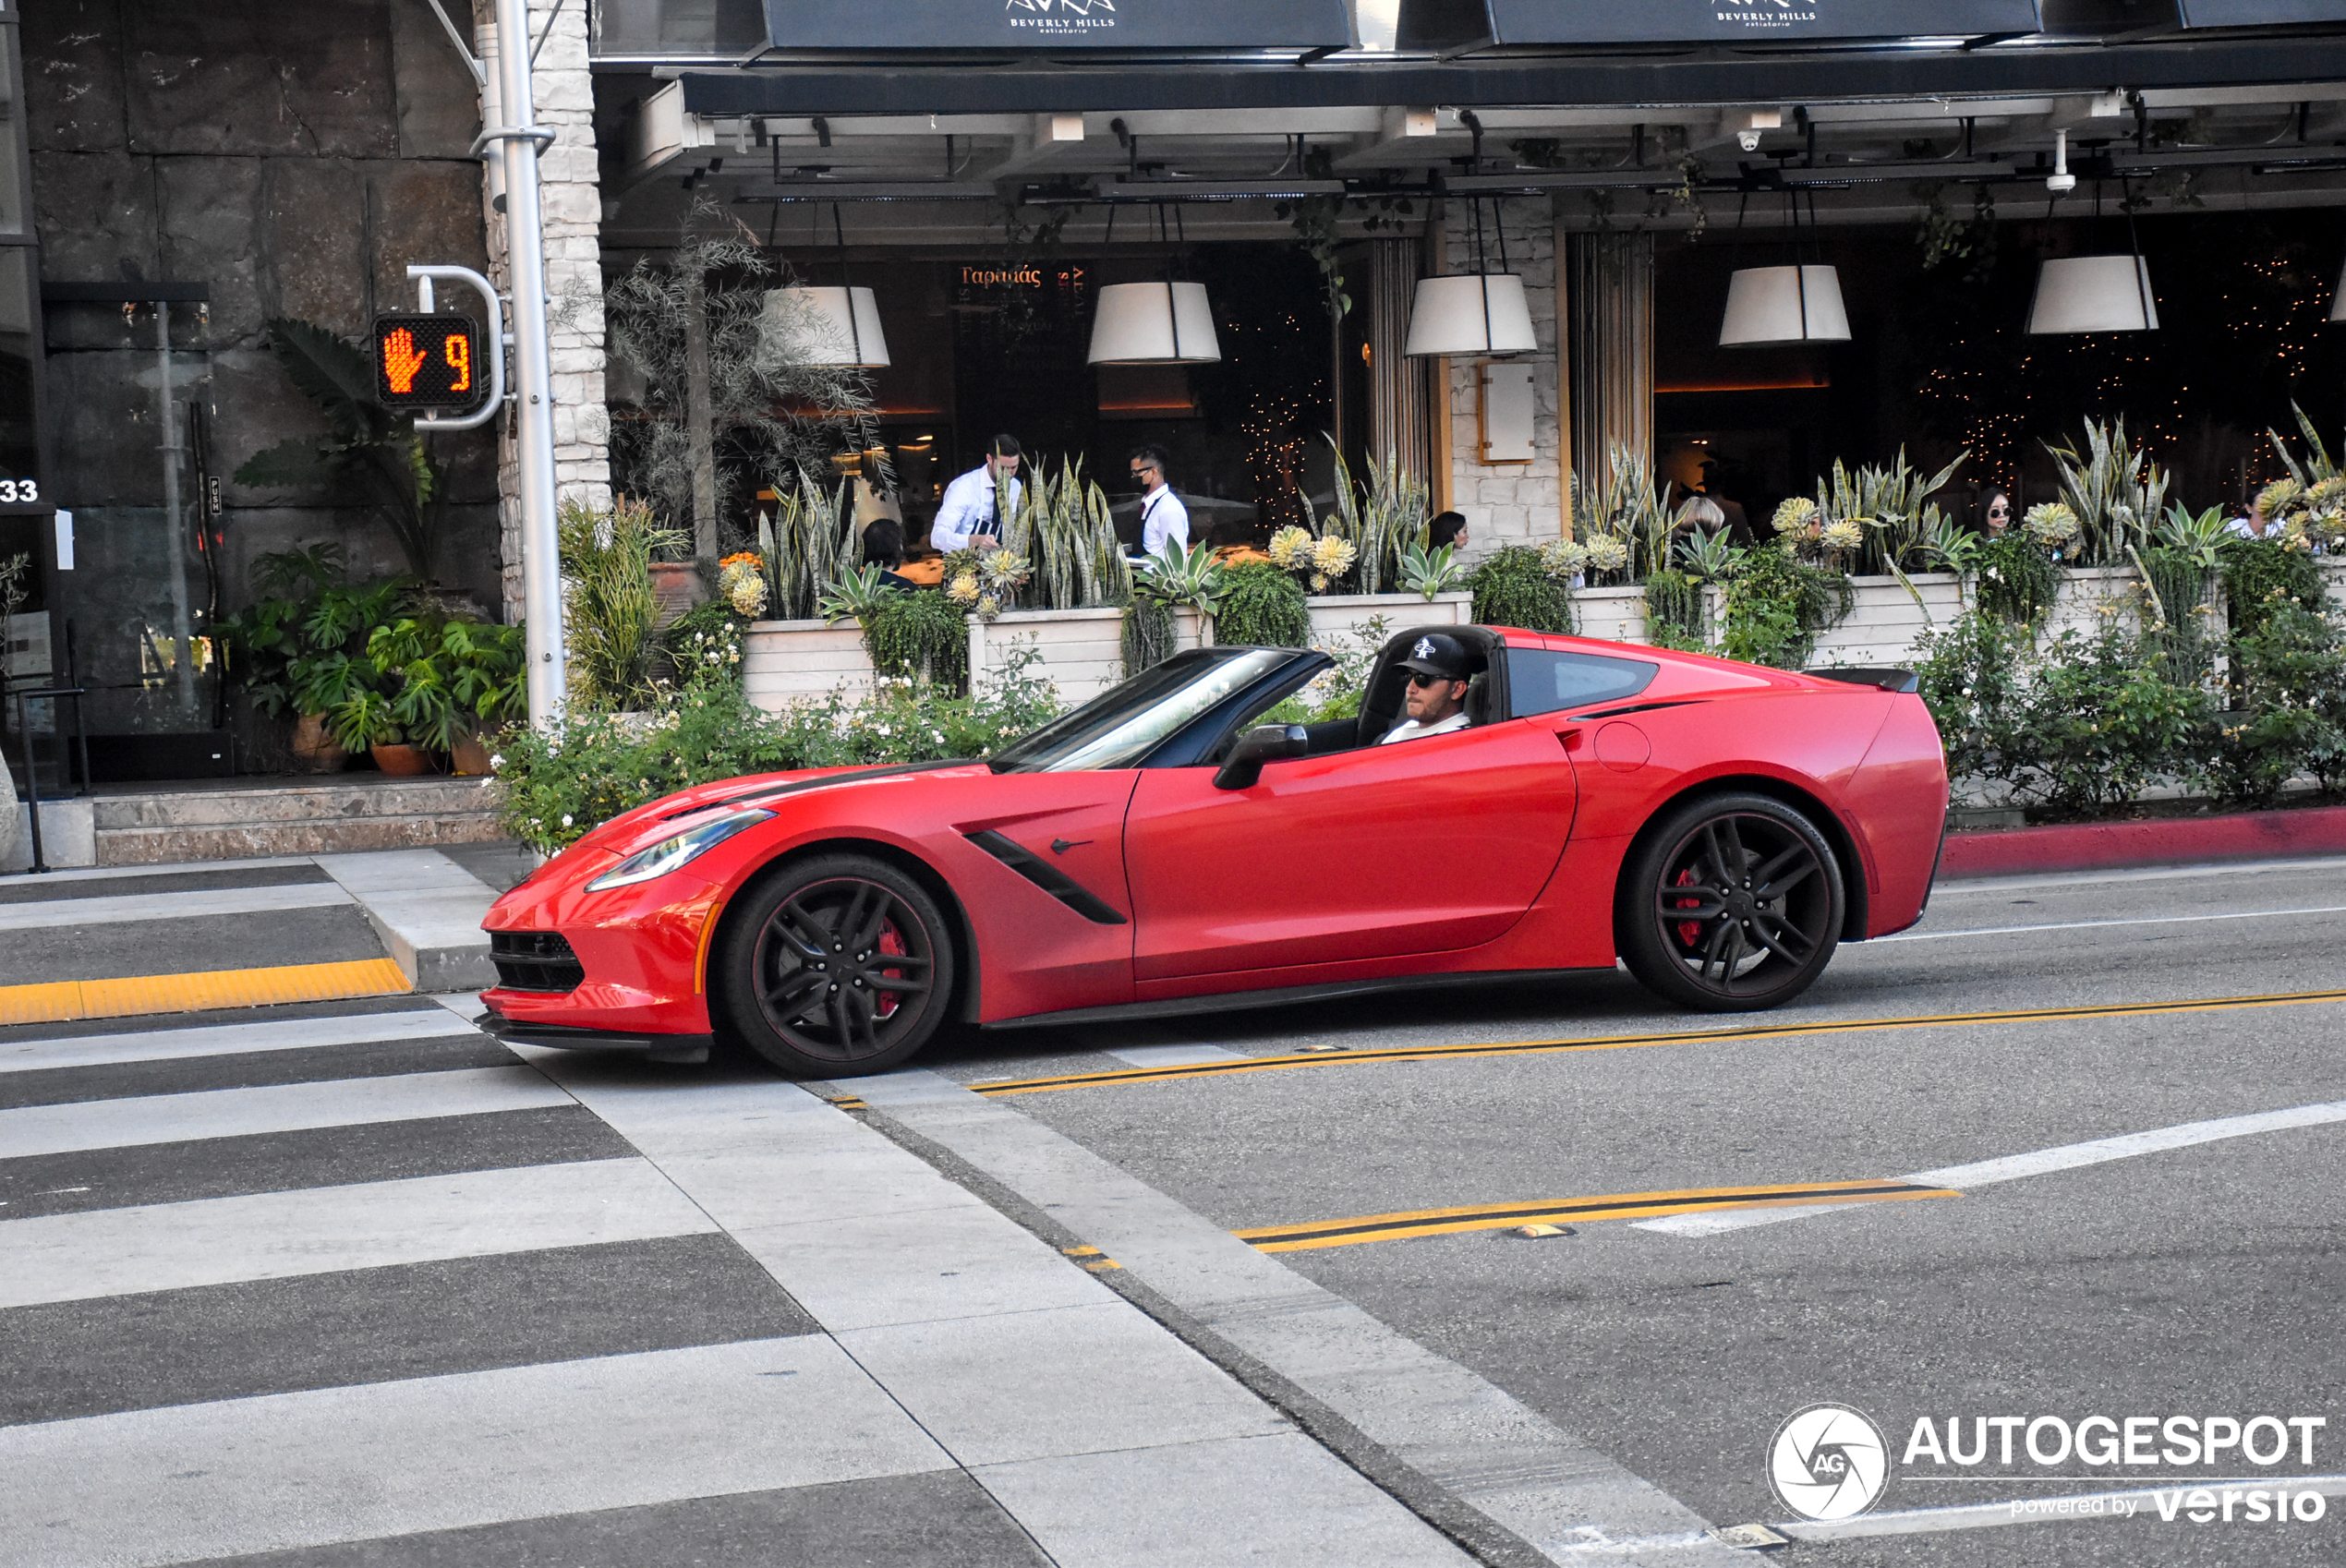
838 966
1733 903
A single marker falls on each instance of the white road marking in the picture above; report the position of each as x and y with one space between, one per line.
276 1107
2013 1167
2091 924
292 1471
325 1230
2030 1509
226 1039
1171 1056
199 903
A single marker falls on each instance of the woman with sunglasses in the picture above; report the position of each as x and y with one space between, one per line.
1995 513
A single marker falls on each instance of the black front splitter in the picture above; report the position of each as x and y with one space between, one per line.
679 1048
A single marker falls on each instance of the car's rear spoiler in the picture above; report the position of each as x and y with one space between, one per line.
1888 680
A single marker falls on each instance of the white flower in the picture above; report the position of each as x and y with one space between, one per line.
566 819
497 761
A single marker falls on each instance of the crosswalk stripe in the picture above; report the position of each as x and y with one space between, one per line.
106 1252
190 905
277 1107
278 1472
227 1039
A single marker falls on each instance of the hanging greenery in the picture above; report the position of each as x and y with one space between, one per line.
1148 633
1262 607
1776 604
1675 614
919 637
2016 578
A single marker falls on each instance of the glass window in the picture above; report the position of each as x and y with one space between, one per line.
1541 682
1119 727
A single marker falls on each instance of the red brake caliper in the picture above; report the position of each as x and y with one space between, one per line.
1689 931
887 1002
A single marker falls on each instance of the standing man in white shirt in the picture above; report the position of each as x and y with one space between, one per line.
1163 516
972 509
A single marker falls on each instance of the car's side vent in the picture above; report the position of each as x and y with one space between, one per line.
1046 877
535 960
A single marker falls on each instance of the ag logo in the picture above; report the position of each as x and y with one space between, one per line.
1424 648
1828 1462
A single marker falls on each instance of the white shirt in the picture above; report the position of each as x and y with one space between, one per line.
1410 730
1164 517
968 506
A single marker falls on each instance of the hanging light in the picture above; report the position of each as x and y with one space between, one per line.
1780 305
2093 293
838 327
1154 323
1469 313
1770 306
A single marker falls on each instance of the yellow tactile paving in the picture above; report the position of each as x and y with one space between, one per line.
62 1001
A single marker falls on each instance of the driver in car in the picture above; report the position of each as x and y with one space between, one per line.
1440 668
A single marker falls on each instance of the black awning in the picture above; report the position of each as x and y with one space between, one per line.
1465 24
946 25
2261 13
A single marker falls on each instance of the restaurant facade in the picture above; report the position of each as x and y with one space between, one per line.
1495 242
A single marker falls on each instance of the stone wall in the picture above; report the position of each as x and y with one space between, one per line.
295 159
1513 503
571 201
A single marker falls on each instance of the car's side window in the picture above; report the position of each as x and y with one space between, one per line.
1542 681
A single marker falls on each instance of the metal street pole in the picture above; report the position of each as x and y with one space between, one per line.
532 376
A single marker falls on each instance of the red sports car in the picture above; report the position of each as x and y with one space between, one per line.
1718 827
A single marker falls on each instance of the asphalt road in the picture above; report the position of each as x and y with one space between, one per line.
2202 1280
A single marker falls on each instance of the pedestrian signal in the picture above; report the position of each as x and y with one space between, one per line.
428 361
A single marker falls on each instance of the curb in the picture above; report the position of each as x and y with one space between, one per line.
427 909
2096 846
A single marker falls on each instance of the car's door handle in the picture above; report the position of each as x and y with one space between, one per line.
1061 846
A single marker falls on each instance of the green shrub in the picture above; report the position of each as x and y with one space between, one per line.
1676 615
2180 583
564 781
2259 574
2016 578
920 636
1514 587
1262 607
685 641
2101 724
1776 604
1972 678
2288 716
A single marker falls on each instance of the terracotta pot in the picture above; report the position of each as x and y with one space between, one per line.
470 759
314 748
677 585
402 761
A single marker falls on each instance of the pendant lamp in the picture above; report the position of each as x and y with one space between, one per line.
1469 313
1154 323
838 327
1767 305
1771 306
2093 293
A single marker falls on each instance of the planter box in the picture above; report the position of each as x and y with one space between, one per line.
785 661
1082 650
1611 615
1887 621
1338 618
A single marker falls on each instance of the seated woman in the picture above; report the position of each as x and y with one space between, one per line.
884 548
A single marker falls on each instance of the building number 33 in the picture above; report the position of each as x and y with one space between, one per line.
18 491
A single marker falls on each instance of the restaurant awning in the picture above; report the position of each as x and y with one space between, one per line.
940 26
1448 25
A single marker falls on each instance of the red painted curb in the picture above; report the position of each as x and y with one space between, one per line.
2094 846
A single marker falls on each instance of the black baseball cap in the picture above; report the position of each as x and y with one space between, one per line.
1437 653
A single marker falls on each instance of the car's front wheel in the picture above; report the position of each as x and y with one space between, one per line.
1733 903
837 965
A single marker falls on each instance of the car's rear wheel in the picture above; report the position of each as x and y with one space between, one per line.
1733 903
837 965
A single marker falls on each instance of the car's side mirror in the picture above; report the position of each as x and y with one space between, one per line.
1264 743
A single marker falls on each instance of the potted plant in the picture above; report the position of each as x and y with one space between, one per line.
297 651
444 679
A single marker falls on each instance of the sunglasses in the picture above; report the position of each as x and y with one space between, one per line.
1421 680
1999 512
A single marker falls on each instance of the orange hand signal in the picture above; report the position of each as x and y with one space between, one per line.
402 360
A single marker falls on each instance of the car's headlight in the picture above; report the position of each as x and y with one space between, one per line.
670 853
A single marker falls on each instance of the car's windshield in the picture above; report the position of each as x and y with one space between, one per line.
1121 725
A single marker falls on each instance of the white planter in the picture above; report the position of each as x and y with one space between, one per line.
1081 650
1611 615
1888 620
1339 617
787 661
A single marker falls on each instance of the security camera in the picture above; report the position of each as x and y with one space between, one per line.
2060 179
1749 140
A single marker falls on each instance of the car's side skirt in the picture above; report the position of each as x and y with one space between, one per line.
1231 1001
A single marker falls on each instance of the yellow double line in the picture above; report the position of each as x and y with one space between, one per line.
1616 1206
1625 1042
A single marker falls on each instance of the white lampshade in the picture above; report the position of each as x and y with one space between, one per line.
2094 293
1471 313
1780 305
817 324
1158 323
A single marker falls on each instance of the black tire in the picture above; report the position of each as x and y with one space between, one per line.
1732 903
835 1014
